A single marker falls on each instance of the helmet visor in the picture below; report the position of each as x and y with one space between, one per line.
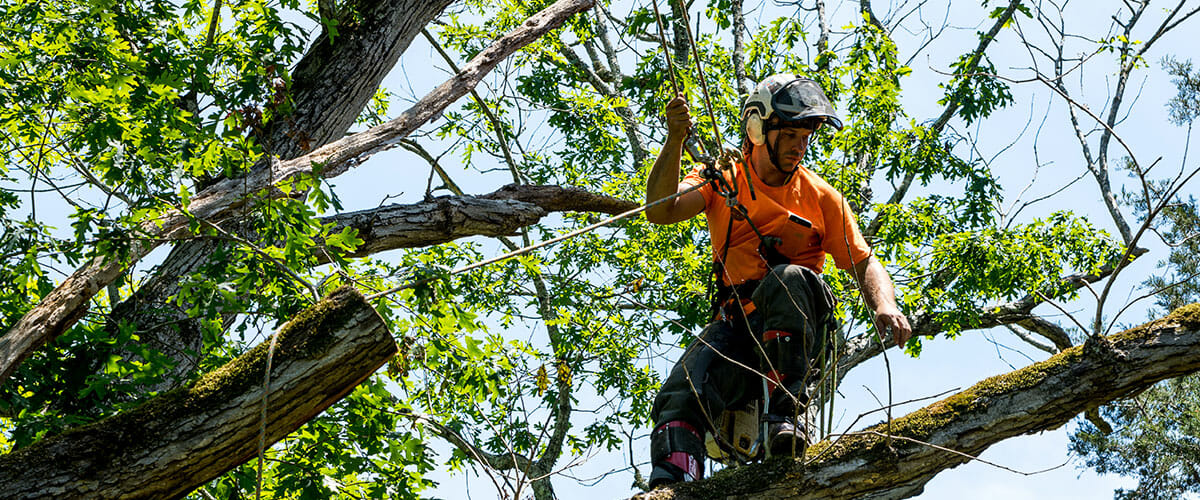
801 99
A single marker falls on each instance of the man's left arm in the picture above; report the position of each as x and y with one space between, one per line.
876 287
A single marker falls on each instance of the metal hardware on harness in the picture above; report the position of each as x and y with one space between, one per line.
715 172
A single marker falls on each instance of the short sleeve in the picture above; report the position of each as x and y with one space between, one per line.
842 240
697 177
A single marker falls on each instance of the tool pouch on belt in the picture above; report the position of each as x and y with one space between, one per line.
797 309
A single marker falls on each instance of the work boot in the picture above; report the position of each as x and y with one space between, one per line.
787 438
680 468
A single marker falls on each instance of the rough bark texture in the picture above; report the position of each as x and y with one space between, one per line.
166 327
558 198
66 303
182 439
448 218
1039 397
434 222
338 76
329 88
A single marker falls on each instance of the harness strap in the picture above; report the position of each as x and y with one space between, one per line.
726 298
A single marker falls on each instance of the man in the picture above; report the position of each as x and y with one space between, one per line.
772 224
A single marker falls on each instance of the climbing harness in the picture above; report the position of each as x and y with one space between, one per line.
718 165
732 439
795 106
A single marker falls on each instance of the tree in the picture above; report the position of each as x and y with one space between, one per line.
156 123
1156 432
183 438
163 219
1154 440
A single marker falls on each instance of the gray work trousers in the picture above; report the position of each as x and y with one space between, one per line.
724 367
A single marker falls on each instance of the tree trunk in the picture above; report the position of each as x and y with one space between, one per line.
1039 397
220 201
338 76
184 438
329 89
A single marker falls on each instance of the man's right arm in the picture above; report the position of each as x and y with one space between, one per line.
664 175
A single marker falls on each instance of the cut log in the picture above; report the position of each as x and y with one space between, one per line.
182 439
943 435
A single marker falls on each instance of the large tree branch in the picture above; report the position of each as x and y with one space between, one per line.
350 151
557 198
67 303
1042 396
389 227
339 75
497 127
443 219
329 88
183 438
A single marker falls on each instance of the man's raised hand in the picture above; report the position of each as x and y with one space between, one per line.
679 118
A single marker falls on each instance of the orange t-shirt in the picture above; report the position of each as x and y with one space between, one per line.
808 214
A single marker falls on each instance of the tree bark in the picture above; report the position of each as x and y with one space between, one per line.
66 303
338 76
184 438
1039 397
444 219
329 88
166 327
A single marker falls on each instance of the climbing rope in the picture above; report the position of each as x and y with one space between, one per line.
700 70
729 190
662 38
711 173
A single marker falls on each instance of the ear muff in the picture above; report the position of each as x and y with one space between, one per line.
754 129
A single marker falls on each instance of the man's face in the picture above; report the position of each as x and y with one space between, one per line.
790 143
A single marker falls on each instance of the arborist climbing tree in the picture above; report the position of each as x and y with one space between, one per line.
772 222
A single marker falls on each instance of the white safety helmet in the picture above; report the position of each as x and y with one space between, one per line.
791 98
